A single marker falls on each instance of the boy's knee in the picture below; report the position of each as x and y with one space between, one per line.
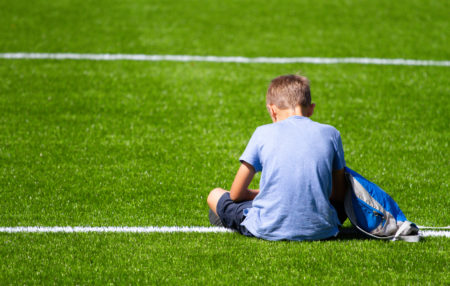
214 196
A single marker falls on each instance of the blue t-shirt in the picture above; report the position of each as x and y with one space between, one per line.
296 157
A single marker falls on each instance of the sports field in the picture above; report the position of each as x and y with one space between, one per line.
141 143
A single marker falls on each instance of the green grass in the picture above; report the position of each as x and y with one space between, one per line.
124 143
86 143
222 259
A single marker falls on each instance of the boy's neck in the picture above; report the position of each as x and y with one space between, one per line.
282 114
286 113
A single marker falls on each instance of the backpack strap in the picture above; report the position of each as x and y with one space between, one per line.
404 228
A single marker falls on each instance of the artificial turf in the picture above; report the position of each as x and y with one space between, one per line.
86 143
222 259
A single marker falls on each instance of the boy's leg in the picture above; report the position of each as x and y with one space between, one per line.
231 214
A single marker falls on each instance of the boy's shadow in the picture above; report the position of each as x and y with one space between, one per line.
351 233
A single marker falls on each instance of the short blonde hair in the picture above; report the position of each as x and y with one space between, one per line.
288 91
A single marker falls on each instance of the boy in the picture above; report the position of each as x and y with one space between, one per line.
302 164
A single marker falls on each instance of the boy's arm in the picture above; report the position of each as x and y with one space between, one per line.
239 189
339 186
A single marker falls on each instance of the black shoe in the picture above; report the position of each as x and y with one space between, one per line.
214 219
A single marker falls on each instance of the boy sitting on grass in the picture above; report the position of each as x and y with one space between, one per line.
302 164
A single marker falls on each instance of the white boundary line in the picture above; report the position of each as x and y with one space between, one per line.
434 227
149 229
190 58
135 229
434 233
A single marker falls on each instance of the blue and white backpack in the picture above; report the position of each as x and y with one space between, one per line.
372 211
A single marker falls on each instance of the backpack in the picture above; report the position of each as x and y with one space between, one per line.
373 212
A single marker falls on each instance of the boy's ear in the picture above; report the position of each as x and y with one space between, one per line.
271 108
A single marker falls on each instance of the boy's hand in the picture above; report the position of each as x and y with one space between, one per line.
239 189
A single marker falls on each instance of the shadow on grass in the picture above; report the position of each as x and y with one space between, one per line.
351 233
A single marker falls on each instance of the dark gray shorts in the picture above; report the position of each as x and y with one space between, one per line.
232 214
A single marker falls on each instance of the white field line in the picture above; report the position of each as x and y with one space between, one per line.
148 229
190 58
434 227
136 229
425 233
